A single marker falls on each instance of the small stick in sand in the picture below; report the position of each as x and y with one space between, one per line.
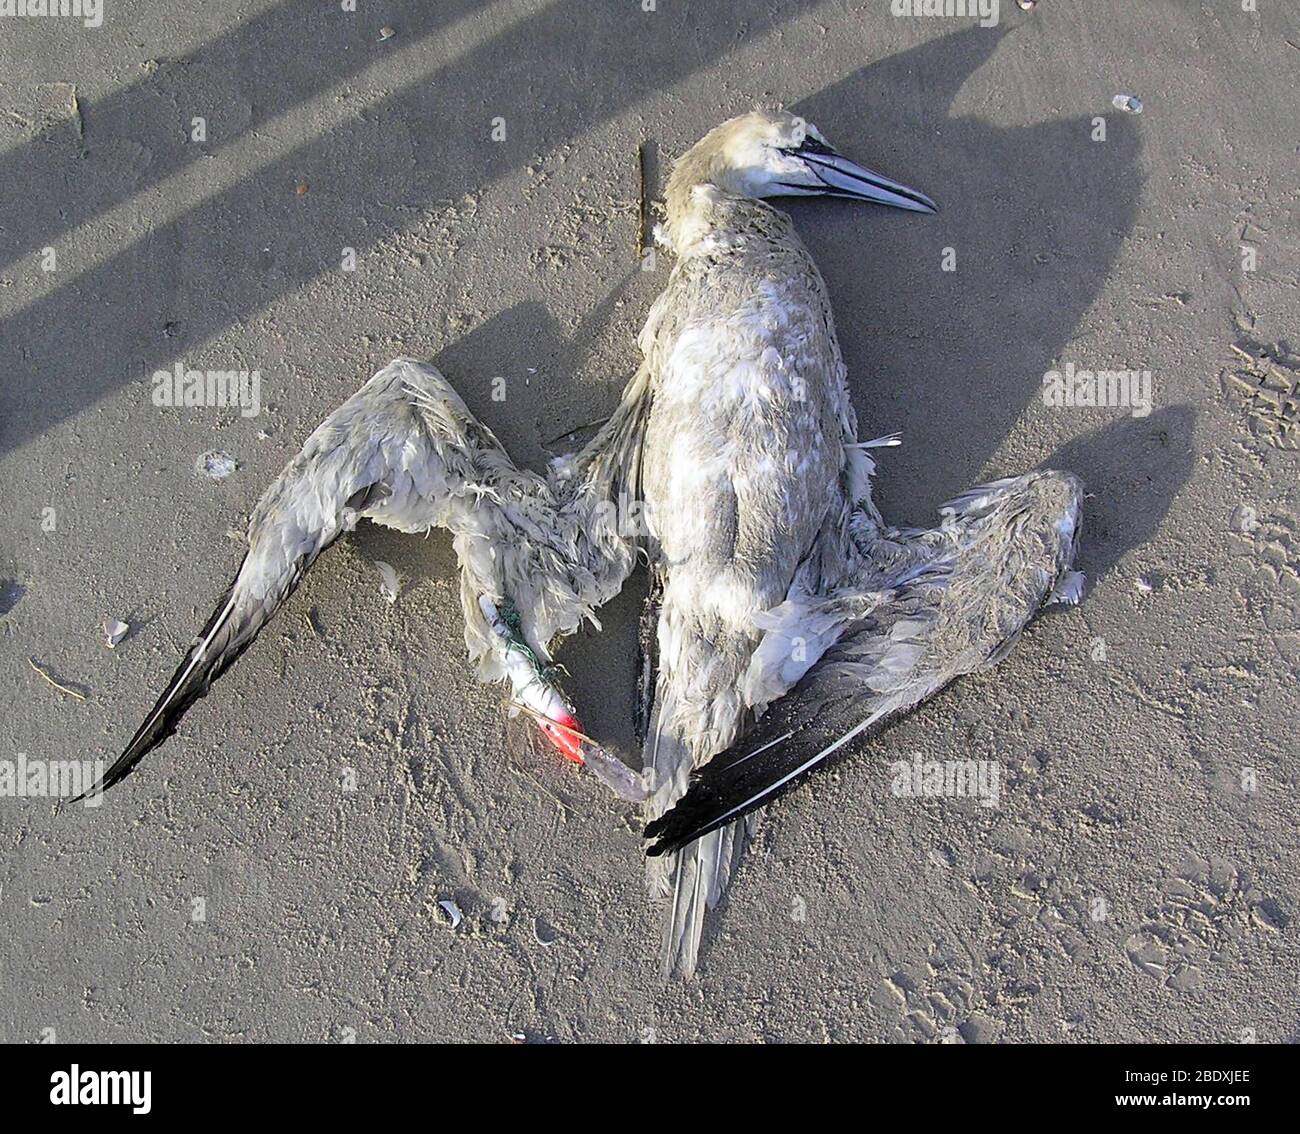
643 214
45 673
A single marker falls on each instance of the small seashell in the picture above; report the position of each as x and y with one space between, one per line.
215 465
1143 585
386 33
390 586
452 910
1127 102
543 933
114 631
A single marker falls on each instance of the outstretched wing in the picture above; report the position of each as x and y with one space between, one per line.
406 452
268 575
1003 551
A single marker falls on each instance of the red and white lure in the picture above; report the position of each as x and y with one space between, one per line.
536 694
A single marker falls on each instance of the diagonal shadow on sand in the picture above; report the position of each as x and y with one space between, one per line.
1036 216
245 246
238 83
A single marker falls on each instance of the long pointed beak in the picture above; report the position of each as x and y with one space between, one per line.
845 178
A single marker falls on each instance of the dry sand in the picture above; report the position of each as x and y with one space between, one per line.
1126 888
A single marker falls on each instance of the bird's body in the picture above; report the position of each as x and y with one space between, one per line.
744 451
745 461
753 474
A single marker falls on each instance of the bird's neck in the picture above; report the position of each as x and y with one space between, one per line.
701 219
689 200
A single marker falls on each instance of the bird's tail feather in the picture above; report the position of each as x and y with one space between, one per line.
700 873
691 882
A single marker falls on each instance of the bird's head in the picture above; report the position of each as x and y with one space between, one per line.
777 154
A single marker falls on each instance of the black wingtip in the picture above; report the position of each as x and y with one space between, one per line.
199 668
664 846
118 770
693 816
658 829
679 831
141 745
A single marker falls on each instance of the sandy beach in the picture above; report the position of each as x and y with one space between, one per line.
302 192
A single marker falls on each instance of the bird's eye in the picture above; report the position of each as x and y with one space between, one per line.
809 145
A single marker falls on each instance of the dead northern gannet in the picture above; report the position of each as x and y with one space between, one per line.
766 548
537 554
738 438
